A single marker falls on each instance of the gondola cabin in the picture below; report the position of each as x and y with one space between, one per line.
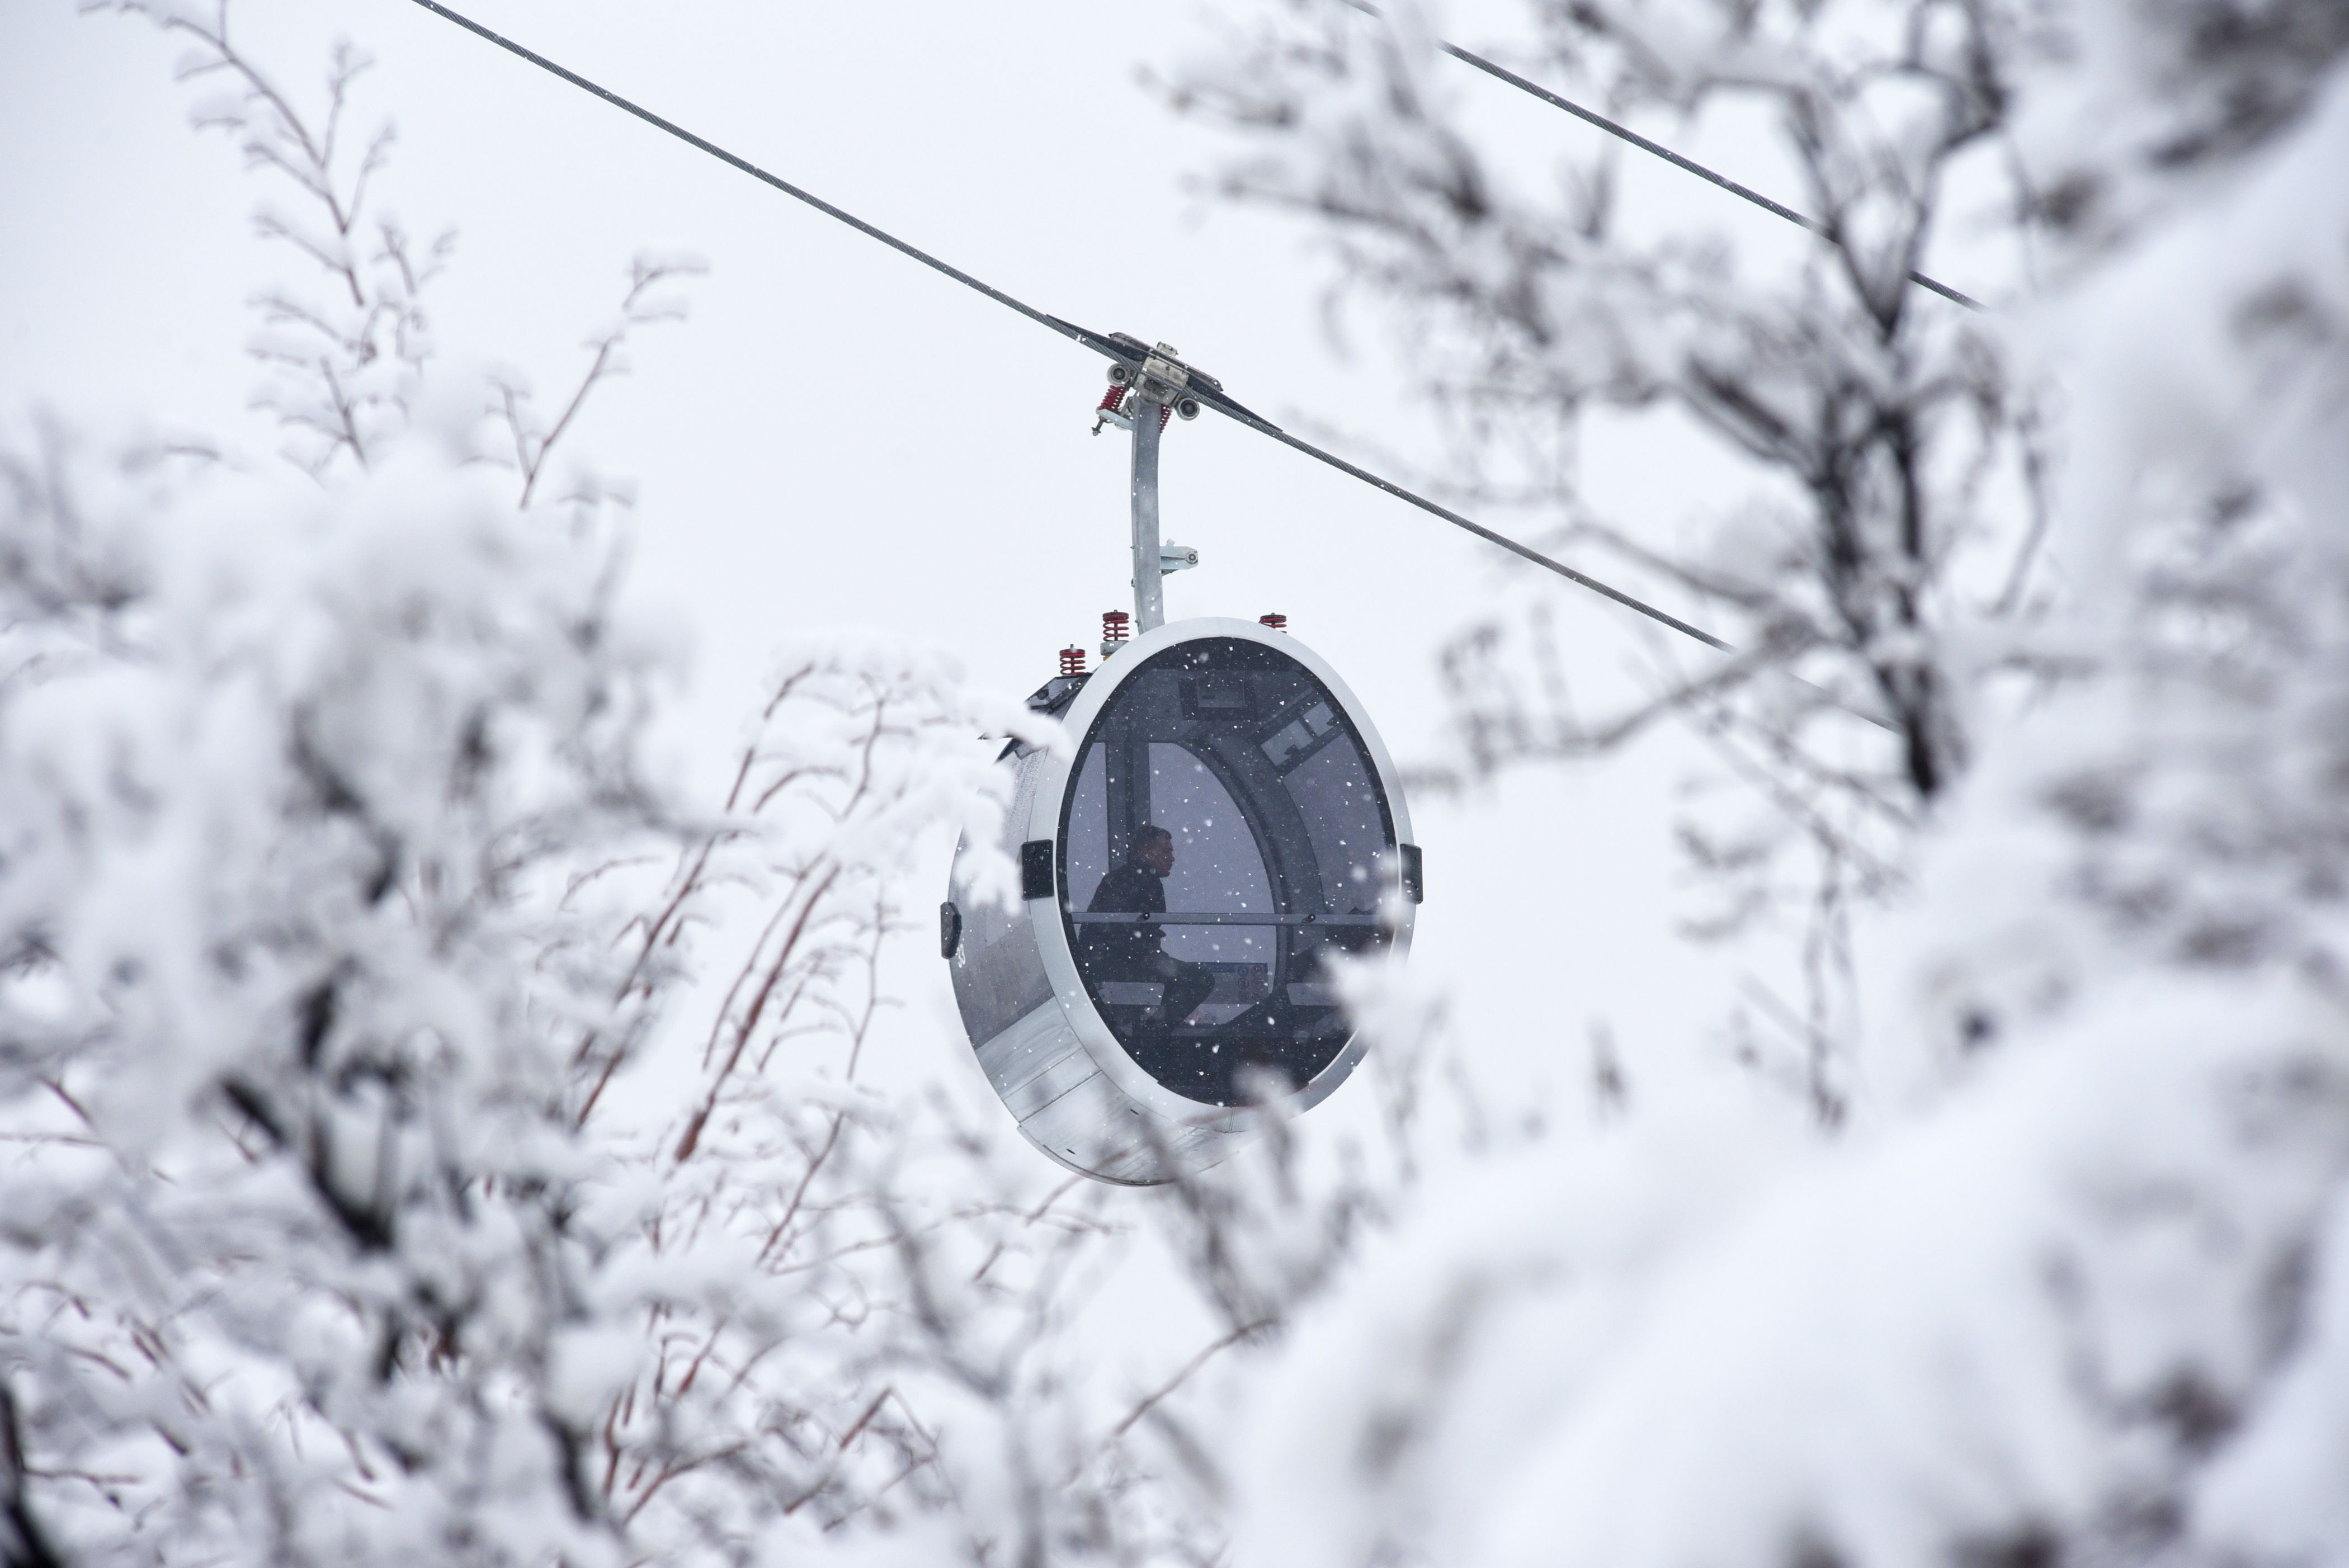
1227 822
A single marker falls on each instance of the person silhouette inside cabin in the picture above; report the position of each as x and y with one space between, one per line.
1124 952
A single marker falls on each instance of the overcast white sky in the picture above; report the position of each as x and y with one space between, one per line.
841 438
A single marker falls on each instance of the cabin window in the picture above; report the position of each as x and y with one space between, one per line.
1224 833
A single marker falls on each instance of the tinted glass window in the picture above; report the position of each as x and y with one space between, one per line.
1223 831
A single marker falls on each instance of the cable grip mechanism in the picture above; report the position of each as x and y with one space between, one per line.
1165 379
1158 374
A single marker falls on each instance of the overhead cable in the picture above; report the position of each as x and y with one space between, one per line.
1592 116
1102 342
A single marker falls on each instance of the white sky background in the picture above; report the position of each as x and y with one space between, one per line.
839 437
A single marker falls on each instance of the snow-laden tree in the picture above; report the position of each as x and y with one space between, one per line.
1878 538
2072 1285
326 935
304 765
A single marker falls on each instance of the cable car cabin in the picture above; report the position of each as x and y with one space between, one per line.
1228 821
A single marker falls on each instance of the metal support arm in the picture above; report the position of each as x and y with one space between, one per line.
1149 591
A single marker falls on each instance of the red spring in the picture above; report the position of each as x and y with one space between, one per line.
1275 621
1115 624
1110 399
1165 412
1072 661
